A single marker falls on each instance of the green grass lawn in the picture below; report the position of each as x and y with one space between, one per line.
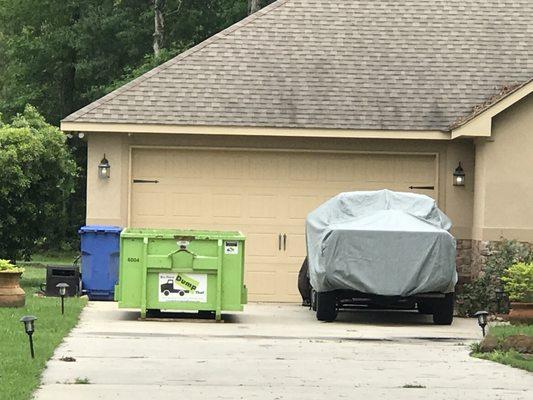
19 374
51 257
511 357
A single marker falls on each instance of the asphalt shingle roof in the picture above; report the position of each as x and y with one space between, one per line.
347 64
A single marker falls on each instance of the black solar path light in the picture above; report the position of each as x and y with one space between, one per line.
482 317
29 327
62 292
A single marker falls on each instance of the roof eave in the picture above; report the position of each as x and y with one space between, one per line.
480 124
97 127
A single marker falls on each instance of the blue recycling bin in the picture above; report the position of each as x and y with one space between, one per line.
100 250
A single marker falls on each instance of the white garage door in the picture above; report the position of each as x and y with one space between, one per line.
264 194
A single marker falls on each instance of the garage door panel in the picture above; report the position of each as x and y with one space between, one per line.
261 283
296 247
261 244
419 170
268 167
344 168
300 205
227 205
153 158
156 200
263 206
186 204
303 167
263 194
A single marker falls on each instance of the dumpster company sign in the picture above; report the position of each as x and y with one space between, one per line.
183 287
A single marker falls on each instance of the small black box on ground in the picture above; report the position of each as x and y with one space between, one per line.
67 274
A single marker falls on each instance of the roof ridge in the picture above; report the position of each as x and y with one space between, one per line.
210 40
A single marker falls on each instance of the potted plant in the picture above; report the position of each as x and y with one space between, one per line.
518 284
11 294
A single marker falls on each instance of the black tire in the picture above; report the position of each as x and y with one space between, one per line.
326 306
166 292
443 310
424 307
313 299
304 286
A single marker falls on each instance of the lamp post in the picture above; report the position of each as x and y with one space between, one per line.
62 292
459 176
29 327
104 169
482 317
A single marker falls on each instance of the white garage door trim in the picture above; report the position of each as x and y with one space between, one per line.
273 150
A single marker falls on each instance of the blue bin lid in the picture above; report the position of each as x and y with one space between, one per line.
100 228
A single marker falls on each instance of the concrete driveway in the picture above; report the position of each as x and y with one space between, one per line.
275 352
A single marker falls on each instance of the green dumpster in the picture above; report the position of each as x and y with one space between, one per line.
164 269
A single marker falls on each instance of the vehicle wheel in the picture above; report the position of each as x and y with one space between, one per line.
166 292
424 307
326 306
313 300
443 310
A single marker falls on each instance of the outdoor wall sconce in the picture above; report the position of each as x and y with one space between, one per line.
459 176
104 169
482 317
62 287
29 327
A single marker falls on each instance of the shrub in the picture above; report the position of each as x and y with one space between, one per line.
6 266
480 294
518 282
37 176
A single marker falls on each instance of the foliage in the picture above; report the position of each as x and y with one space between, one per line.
19 375
510 357
6 266
480 294
60 55
37 177
503 331
518 282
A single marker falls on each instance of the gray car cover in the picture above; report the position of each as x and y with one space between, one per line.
381 242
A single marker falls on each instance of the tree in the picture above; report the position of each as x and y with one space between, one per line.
253 6
159 26
37 178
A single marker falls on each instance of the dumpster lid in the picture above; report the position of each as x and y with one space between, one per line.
173 233
100 228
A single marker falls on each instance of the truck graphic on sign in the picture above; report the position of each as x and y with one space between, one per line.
167 288
182 287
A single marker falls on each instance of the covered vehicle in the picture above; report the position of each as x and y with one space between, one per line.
383 249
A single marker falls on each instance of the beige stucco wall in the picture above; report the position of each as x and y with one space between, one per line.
504 176
107 201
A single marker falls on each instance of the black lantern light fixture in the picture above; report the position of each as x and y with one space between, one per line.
482 317
29 327
62 287
459 176
104 169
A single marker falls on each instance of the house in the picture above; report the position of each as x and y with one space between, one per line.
261 123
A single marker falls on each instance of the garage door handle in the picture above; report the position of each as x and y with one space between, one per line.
284 242
145 181
279 242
